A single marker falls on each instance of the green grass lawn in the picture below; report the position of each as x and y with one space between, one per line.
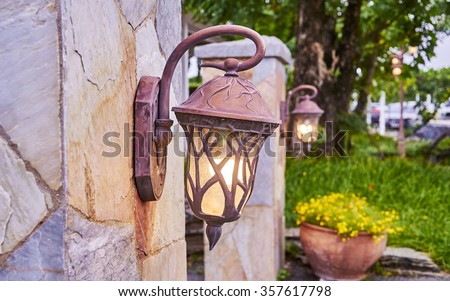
419 191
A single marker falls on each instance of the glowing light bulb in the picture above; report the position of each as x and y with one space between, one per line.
305 128
227 170
397 71
306 131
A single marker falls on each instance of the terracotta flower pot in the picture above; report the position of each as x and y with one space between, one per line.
333 259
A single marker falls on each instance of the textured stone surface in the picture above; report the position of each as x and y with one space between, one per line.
264 72
101 58
270 172
100 65
270 80
150 61
167 220
265 176
41 256
99 251
244 48
408 262
5 213
136 11
168 27
158 223
99 89
29 81
246 249
21 198
168 264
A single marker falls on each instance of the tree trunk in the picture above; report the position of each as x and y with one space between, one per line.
369 64
348 52
309 51
319 57
309 56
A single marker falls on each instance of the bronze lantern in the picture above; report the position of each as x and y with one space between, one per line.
226 122
306 114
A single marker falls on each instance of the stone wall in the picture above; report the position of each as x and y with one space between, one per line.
68 205
31 194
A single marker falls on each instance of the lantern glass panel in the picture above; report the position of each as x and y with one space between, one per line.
307 128
220 171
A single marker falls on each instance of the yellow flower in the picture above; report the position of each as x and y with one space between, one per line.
348 214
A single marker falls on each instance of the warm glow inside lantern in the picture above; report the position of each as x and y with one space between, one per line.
306 128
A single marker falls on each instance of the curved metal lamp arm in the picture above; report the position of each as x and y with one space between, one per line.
285 107
303 87
228 65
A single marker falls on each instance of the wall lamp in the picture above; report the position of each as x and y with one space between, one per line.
397 64
306 114
226 122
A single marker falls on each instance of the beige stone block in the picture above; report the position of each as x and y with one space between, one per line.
280 81
246 250
98 251
224 262
168 219
29 102
167 264
22 203
99 60
268 91
136 11
148 56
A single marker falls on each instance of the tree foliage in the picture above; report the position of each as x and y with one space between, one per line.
273 18
436 84
341 46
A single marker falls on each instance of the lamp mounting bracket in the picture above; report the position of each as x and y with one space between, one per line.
149 159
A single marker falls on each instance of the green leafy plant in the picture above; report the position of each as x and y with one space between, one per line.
282 274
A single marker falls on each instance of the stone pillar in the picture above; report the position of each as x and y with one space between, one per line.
252 247
68 204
